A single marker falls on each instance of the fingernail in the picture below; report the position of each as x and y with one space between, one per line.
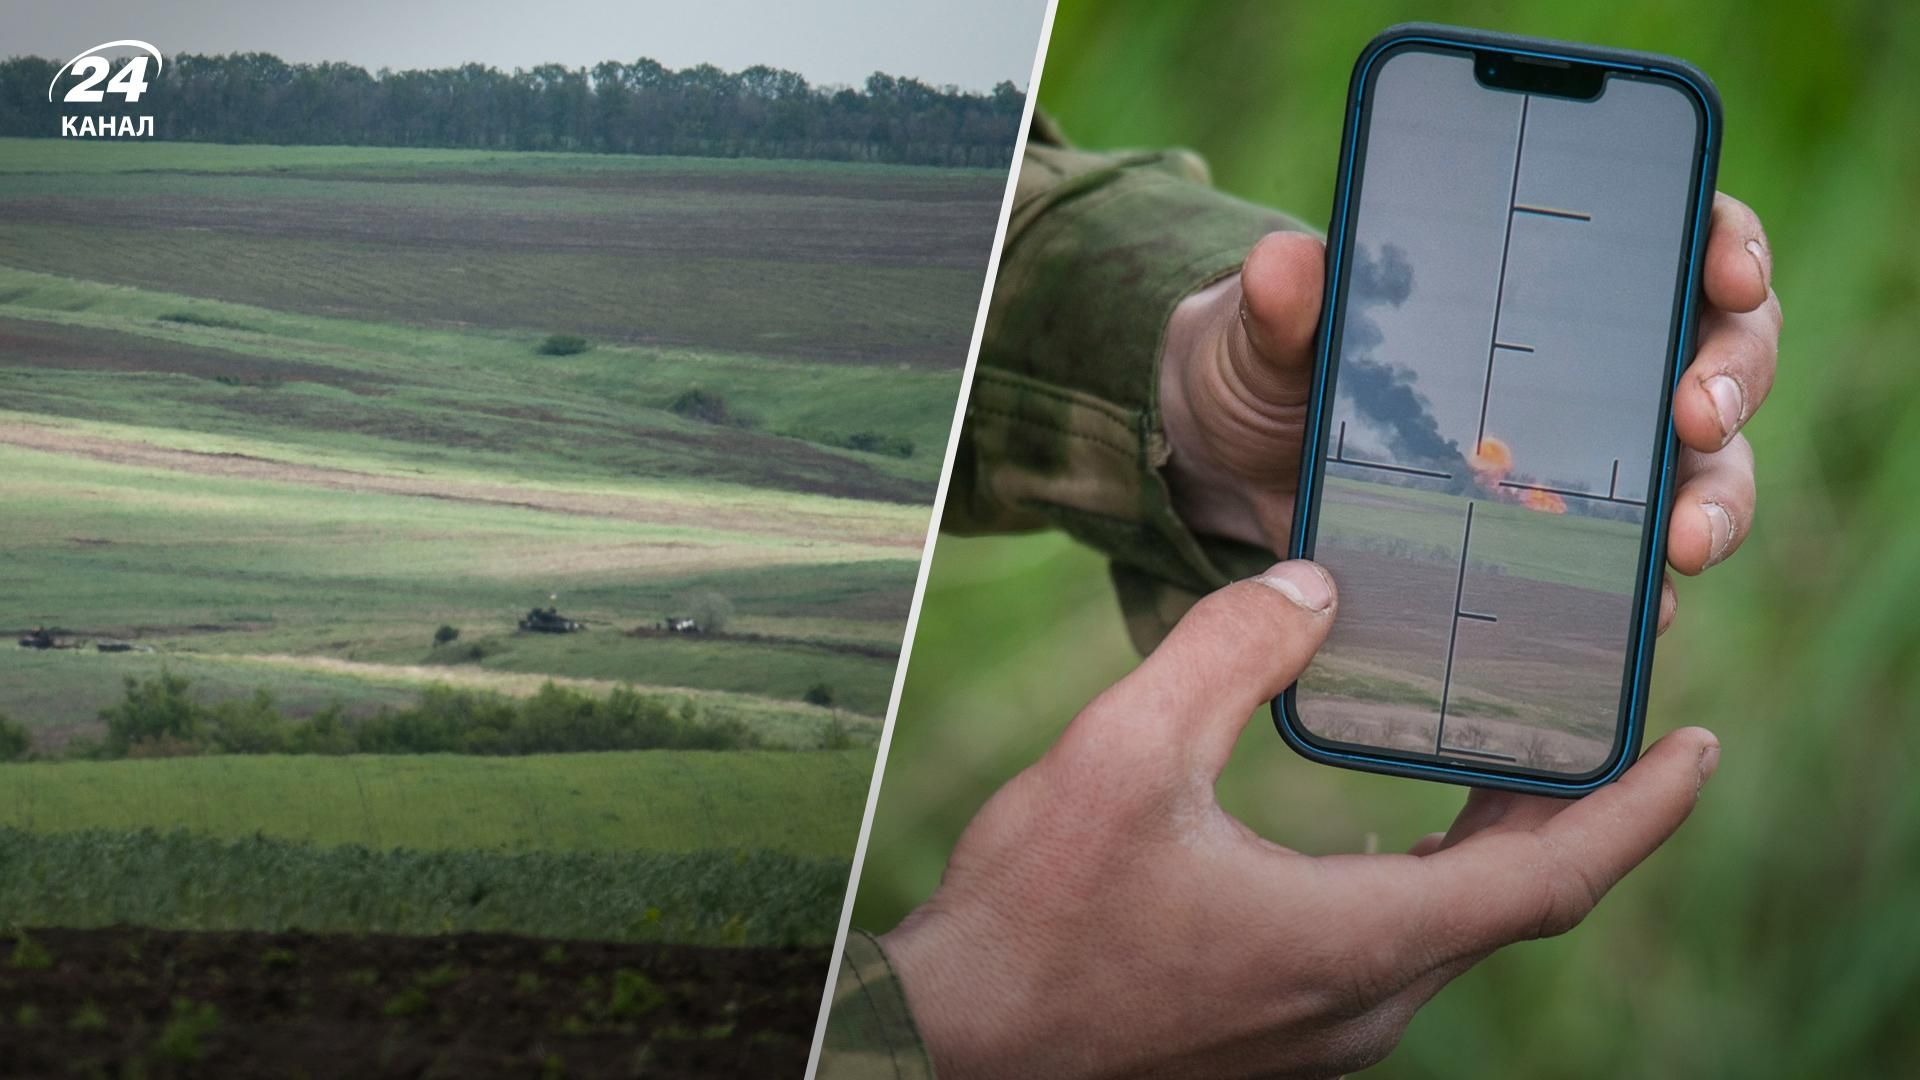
1729 404
1302 582
1719 531
1760 261
1709 761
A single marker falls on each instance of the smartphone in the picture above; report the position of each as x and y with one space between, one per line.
1513 272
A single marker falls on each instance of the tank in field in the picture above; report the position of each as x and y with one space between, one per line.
549 621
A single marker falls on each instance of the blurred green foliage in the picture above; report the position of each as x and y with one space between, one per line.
1779 933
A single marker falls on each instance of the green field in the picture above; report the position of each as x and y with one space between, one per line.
1774 936
182 881
1562 549
52 156
723 848
297 443
275 416
852 262
652 800
212 570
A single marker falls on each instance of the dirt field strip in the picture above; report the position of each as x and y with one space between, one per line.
794 524
512 683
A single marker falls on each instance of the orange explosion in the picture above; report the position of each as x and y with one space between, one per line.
1544 501
1491 462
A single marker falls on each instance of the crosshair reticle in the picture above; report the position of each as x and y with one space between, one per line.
1505 344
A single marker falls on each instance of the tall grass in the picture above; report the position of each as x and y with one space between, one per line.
1776 935
180 881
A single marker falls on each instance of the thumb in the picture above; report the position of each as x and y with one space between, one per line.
1281 286
1234 651
1503 885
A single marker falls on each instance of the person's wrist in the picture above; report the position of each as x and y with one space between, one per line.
962 1020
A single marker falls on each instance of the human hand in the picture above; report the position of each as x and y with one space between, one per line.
1102 915
1237 370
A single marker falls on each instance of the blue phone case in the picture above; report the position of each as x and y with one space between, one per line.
1646 595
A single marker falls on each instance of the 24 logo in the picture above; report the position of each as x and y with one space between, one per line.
129 83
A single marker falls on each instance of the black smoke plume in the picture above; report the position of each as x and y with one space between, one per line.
1380 392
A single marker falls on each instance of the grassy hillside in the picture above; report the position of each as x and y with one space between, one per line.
284 420
844 261
459 397
287 404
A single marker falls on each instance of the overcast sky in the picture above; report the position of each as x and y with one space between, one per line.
1592 298
970 43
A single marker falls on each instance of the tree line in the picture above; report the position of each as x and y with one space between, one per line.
641 107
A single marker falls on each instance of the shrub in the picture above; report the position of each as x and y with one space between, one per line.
874 442
865 442
634 994
162 746
436 724
407 1002
470 653
837 734
730 733
194 318
247 726
191 1022
28 954
85 748
705 406
257 382
325 732
153 709
819 694
88 1018
16 740
446 635
562 345
159 718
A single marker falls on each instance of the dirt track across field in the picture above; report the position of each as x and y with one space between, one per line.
77 348
512 683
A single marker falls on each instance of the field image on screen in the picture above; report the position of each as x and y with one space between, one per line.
1496 413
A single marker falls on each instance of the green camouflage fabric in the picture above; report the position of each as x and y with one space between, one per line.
1063 431
1063 420
870 1033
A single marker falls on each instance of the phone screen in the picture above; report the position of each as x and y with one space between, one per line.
1499 383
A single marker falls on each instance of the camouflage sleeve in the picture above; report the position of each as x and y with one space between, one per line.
1063 425
870 1033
